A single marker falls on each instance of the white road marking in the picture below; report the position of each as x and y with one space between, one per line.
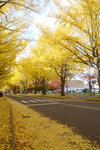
81 106
32 101
38 100
42 104
51 103
42 100
35 101
46 101
24 102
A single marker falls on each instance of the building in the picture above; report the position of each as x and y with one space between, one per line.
74 86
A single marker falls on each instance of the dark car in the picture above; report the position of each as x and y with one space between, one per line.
1 94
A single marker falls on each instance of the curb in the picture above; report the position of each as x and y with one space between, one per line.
12 141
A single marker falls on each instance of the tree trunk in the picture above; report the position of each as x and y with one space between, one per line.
35 88
14 90
62 86
90 87
44 91
44 87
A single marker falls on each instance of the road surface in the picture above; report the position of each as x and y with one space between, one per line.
84 117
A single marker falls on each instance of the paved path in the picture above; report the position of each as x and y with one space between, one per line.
84 117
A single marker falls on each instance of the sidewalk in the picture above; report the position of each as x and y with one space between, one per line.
6 129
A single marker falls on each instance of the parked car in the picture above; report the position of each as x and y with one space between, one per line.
1 94
95 90
49 92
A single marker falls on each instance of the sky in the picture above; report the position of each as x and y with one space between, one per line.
32 32
45 19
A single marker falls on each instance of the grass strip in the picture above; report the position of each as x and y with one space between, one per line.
35 132
6 141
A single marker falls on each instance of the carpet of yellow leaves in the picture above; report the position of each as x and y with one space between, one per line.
35 132
5 132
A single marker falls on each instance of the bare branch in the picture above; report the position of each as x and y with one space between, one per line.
4 3
4 15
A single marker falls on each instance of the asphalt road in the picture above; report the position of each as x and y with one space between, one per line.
84 117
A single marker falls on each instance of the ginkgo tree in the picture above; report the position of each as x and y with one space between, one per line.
36 72
62 68
83 16
10 47
56 58
13 20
